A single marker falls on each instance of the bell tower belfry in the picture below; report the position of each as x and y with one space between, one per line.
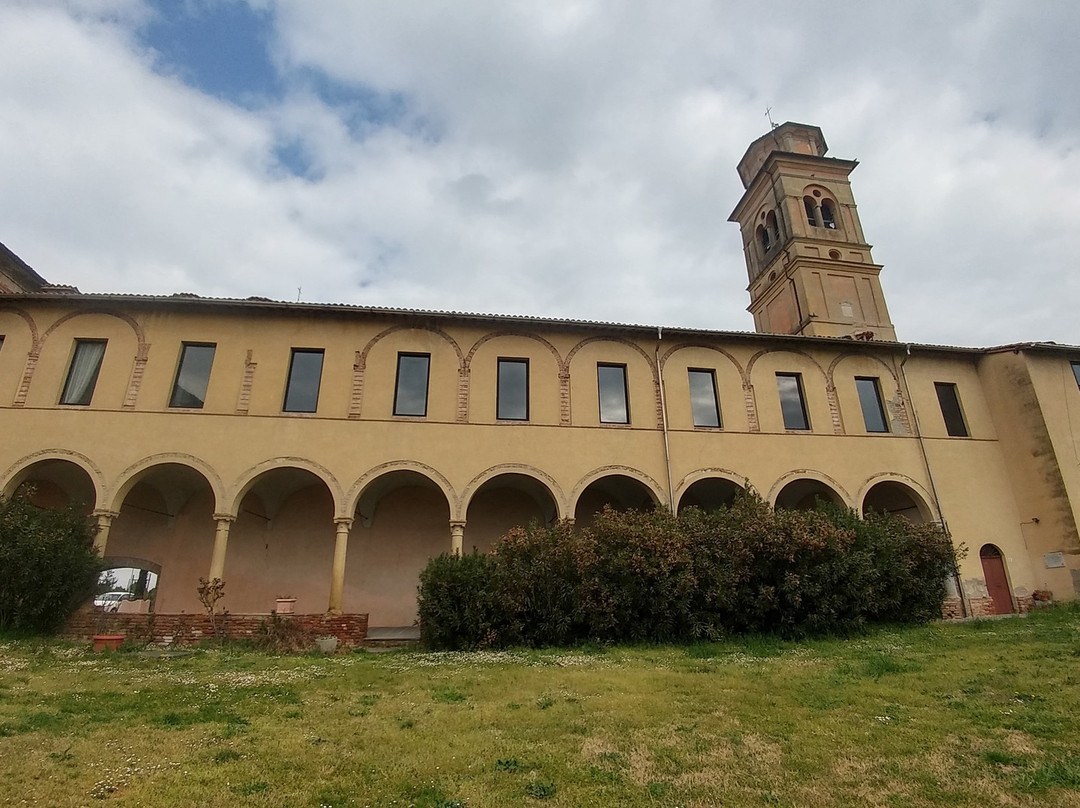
810 267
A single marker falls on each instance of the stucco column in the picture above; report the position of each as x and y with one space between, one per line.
457 537
221 541
104 523
337 577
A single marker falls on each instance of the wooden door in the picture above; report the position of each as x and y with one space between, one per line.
997 584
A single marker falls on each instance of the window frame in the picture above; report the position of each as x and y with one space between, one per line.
510 360
801 394
397 384
954 429
1075 369
65 391
180 369
625 393
877 403
710 373
290 380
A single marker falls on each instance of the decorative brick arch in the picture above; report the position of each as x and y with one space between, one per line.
547 482
129 477
142 352
246 481
360 364
809 474
644 355
902 409
654 488
563 365
352 498
35 334
744 376
830 391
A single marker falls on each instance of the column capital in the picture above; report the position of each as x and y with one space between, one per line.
457 523
102 513
343 521
224 517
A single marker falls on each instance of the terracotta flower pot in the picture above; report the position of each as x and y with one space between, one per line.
108 642
285 605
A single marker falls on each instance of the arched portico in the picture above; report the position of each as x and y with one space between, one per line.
504 501
281 541
804 493
58 480
621 490
401 520
710 493
163 515
893 496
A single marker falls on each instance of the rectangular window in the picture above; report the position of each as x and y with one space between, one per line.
873 412
512 398
614 400
83 374
410 393
950 409
1075 367
192 376
305 375
703 401
792 402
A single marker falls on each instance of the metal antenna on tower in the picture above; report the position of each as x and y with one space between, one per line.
768 114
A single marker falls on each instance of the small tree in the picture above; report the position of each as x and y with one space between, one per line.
49 565
210 592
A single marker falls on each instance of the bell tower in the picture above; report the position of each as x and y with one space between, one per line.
810 267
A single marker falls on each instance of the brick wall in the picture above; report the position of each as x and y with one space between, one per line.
952 609
185 629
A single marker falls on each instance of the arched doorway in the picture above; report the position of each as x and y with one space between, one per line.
503 502
997 581
805 495
894 497
402 520
710 494
56 483
618 491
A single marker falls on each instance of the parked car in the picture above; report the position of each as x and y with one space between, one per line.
110 601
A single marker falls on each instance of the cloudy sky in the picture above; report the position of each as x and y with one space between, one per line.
562 158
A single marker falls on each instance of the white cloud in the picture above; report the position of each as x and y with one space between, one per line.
558 159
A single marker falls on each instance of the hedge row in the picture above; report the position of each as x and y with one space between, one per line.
653 576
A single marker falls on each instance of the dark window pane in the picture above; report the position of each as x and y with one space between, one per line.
83 373
1076 372
872 411
703 400
611 385
193 376
305 373
513 395
792 404
410 396
950 409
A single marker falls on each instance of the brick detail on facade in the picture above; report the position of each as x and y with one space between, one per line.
357 397
952 609
244 403
834 409
564 397
28 376
186 629
137 371
463 395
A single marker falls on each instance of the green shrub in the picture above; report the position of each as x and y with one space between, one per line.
652 576
49 565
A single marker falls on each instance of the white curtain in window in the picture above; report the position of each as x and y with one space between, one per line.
84 371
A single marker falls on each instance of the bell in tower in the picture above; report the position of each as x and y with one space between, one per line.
810 267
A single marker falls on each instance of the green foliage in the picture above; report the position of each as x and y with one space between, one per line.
49 563
656 577
281 635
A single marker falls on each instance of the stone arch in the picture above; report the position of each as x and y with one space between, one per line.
24 468
705 346
247 480
131 476
797 489
496 334
896 493
119 315
649 361
619 485
868 356
352 499
709 487
541 478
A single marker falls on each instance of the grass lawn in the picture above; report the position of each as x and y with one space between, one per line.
978 714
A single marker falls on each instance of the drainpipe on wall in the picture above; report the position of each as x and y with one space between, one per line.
930 476
663 419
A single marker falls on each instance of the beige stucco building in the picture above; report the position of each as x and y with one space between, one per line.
325 452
